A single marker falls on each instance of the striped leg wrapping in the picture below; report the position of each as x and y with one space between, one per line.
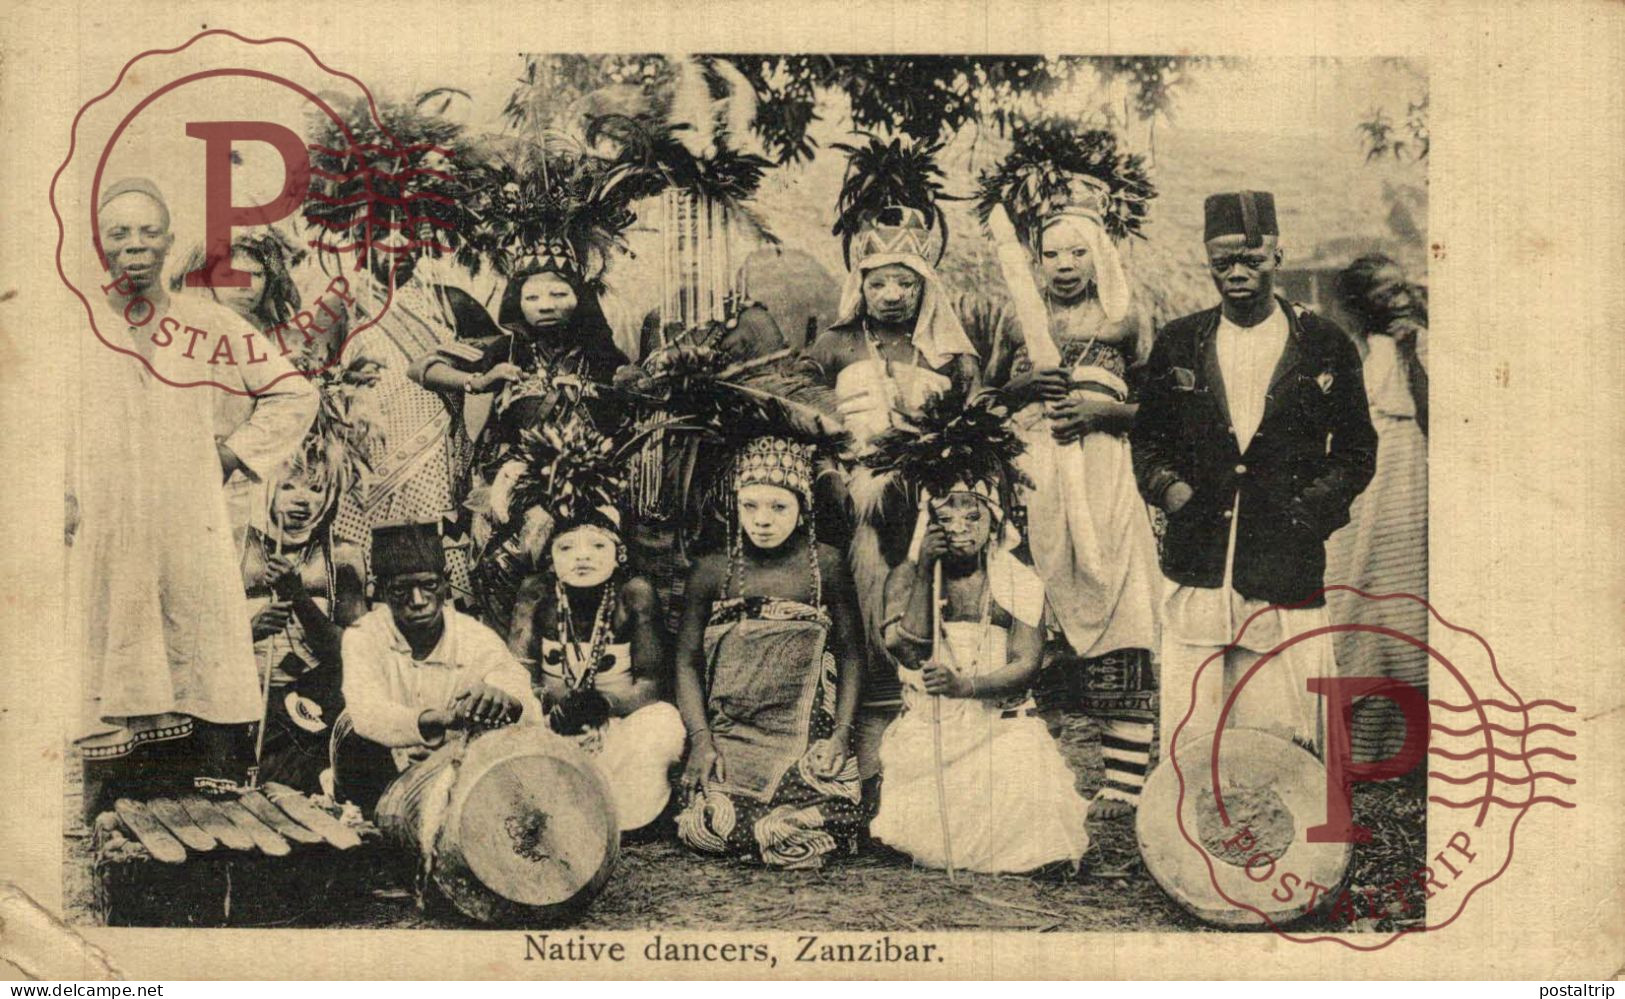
1126 746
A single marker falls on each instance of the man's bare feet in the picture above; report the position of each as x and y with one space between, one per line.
1109 808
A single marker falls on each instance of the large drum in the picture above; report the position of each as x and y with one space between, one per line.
514 826
1252 864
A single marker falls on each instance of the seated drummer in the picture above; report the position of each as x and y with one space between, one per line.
416 669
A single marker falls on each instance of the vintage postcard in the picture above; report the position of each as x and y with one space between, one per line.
946 490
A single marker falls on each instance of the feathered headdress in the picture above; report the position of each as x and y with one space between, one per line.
955 444
888 200
337 454
708 409
552 208
1052 167
574 473
680 145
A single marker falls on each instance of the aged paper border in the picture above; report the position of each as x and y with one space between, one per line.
1528 300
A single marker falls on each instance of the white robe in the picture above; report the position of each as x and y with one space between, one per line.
158 605
1011 801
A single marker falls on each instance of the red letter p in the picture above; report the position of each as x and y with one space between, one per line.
220 215
1341 771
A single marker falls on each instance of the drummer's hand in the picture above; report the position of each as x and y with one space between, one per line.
271 619
283 577
944 681
486 705
433 723
1051 384
830 755
703 761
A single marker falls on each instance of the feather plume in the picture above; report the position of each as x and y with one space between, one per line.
1036 179
526 195
657 152
381 188
347 435
954 442
708 406
879 174
570 470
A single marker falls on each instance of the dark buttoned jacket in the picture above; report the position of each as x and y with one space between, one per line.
1313 453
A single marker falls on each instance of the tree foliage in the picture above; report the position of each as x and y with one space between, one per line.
929 97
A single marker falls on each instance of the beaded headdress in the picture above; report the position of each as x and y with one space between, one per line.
775 461
553 257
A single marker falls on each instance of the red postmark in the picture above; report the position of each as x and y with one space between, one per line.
1254 830
181 118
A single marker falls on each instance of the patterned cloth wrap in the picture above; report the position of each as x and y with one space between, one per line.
770 701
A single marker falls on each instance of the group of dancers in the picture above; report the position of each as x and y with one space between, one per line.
788 600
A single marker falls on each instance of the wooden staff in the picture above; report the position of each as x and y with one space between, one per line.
265 686
936 720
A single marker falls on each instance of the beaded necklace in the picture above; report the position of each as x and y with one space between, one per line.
597 641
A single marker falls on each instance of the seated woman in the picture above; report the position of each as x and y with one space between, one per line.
1003 799
558 341
595 639
768 665
303 591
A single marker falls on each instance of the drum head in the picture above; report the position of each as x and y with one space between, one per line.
1273 791
537 828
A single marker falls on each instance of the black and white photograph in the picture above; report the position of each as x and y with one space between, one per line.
844 503
716 468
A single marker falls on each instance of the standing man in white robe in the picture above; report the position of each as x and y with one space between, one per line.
170 678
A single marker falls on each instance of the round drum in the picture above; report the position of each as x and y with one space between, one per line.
1273 791
513 826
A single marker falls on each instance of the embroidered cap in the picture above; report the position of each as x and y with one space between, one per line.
775 461
555 256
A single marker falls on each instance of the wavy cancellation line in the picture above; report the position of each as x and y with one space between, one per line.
410 221
406 247
1502 729
373 173
1476 802
362 196
1499 777
1501 753
1503 705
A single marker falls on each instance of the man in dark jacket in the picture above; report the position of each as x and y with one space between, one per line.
1254 435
